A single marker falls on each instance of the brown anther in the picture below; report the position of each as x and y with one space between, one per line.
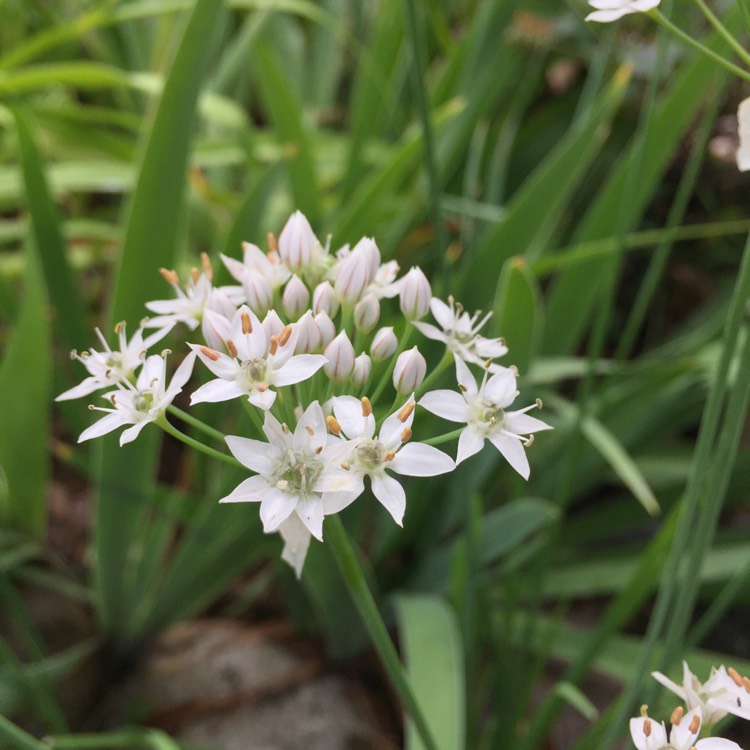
91 407
528 443
165 352
273 345
487 364
318 450
735 675
119 327
113 399
195 274
389 456
262 388
462 388
644 710
502 341
677 715
366 406
302 469
231 348
85 355
406 411
406 434
212 354
309 430
539 404
247 324
333 425
746 683
345 465
513 369
695 724
206 265
285 335
272 244
170 277
73 354
285 428
647 727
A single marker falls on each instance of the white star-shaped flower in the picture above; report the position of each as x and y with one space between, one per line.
109 367
361 454
255 363
460 333
648 735
144 402
483 409
611 10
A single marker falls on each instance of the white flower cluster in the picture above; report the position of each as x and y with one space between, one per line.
724 692
296 340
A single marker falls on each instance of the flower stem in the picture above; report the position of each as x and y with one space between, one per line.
663 21
197 423
724 32
354 576
193 443
447 437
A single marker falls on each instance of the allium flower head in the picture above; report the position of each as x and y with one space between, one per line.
611 10
648 735
483 409
144 402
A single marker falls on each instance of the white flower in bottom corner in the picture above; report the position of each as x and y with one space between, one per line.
648 735
287 483
611 10
144 402
483 409
361 454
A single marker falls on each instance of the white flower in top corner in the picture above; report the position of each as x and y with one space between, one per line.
483 409
725 691
255 363
144 402
611 10
288 471
360 453
648 735
460 333
269 266
743 130
109 367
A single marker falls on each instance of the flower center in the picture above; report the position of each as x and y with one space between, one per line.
298 474
143 401
254 370
488 413
370 454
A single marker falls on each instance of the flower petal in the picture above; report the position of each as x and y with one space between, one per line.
215 391
310 512
258 456
275 507
513 451
522 424
298 368
420 460
447 404
470 441
296 538
103 426
251 490
390 494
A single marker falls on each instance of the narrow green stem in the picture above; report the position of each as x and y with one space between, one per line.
446 438
212 432
193 443
663 21
126 738
354 576
724 32
18 738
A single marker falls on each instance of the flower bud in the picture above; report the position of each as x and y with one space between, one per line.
215 328
272 324
415 295
384 344
409 371
353 275
327 328
361 371
308 335
367 313
325 300
297 242
369 250
296 298
258 292
340 355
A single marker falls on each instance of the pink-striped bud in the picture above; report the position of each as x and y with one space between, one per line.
296 298
409 372
367 313
340 355
258 292
415 295
353 275
384 344
297 242
325 299
308 335
361 371
272 324
327 328
215 328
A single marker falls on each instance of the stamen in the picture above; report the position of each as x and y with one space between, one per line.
206 265
272 244
333 425
487 364
746 683
462 388
285 335
677 715
170 277
113 400
647 727
644 710
539 404
247 325
231 348
366 406
695 724
273 346
195 274
119 327
302 469
282 484
285 428
389 456
91 407
73 354
406 412
528 443
345 465
514 370
309 430
318 450
261 387
406 435
165 352
212 354
735 675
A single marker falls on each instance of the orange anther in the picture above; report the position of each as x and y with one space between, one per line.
170 277
735 675
647 727
366 406
406 434
389 456
406 412
212 354
695 724
677 715
247 325
333 425
272 245
285 335
232 348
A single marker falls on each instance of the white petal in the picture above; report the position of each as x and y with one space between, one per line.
501 389
334 502
464 377
129 435
522 424
275 507
393 427
85 388
390 494
183 373
657 737
251 490
348 413
716 743
681 736
215 391
743 128
298 368
420 460
225 367
103 426
674 687
310 433
449 405
513 451
262 399
258 456
442 313
275 433
296 542
310 512
429 330
470 441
